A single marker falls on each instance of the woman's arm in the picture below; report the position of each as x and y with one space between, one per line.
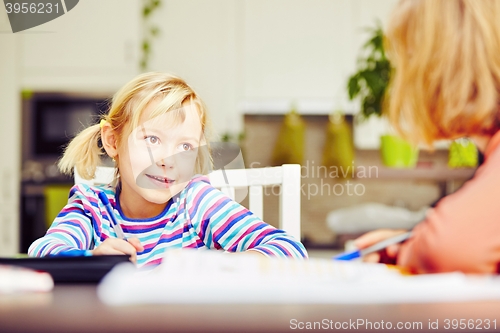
462 231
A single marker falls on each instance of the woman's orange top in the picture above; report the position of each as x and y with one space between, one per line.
462 233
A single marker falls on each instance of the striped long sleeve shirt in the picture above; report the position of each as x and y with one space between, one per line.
198 217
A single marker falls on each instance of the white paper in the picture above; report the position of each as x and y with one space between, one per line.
15 279
191 276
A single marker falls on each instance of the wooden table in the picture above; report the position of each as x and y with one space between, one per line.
76 308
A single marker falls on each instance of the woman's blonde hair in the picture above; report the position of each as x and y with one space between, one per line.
84 151
446 78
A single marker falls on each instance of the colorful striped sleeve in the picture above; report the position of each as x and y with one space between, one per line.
223 223
71 231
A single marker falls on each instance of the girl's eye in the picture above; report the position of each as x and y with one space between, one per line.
152 140
186 147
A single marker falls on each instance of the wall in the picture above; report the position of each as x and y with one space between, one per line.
9 139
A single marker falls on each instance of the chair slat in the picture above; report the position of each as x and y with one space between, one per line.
287 175
256 200
290 200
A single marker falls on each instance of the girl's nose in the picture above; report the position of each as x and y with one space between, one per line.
167 162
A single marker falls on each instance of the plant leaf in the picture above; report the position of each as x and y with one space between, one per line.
146 47
155 31
353 86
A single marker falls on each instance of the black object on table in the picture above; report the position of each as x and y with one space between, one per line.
70 269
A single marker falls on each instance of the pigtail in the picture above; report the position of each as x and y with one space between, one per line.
83 152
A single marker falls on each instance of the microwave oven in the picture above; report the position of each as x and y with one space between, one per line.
50 120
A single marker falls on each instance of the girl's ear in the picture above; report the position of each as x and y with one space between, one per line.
108 138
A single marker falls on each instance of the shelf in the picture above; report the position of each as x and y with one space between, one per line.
417 173
283 106
430 166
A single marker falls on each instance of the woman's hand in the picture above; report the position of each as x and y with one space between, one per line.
388 255
119 246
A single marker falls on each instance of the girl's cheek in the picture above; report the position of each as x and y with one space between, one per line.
139 160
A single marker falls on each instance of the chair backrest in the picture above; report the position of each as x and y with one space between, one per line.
286 176
103 176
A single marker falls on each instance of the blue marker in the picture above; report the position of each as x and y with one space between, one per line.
116 226
374 248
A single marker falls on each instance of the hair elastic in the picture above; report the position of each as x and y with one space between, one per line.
103 121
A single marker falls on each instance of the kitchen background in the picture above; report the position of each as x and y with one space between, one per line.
250 60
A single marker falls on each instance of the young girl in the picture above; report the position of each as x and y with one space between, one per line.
446 85
155 132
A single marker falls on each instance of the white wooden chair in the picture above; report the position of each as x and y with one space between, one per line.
103 176
286 176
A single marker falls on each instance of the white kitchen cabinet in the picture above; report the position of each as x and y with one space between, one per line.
200 41
93 47
242 54
299 51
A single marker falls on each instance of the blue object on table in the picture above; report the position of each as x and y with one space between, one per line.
72 253
374 248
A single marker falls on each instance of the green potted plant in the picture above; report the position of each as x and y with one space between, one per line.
150 31
369 85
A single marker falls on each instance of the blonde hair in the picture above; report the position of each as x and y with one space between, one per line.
446 78
127 106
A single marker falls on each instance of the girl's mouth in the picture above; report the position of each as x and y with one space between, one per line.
162 181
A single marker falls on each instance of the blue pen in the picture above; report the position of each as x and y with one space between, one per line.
374 248
116 226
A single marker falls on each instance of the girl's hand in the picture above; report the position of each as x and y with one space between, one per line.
119 246
387 256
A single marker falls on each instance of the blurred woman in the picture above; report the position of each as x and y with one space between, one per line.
446 85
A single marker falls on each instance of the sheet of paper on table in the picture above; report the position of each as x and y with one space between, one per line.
15 279
194 276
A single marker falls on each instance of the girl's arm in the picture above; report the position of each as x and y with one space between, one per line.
225 224
71 231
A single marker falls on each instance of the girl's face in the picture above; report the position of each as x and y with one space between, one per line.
158 158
